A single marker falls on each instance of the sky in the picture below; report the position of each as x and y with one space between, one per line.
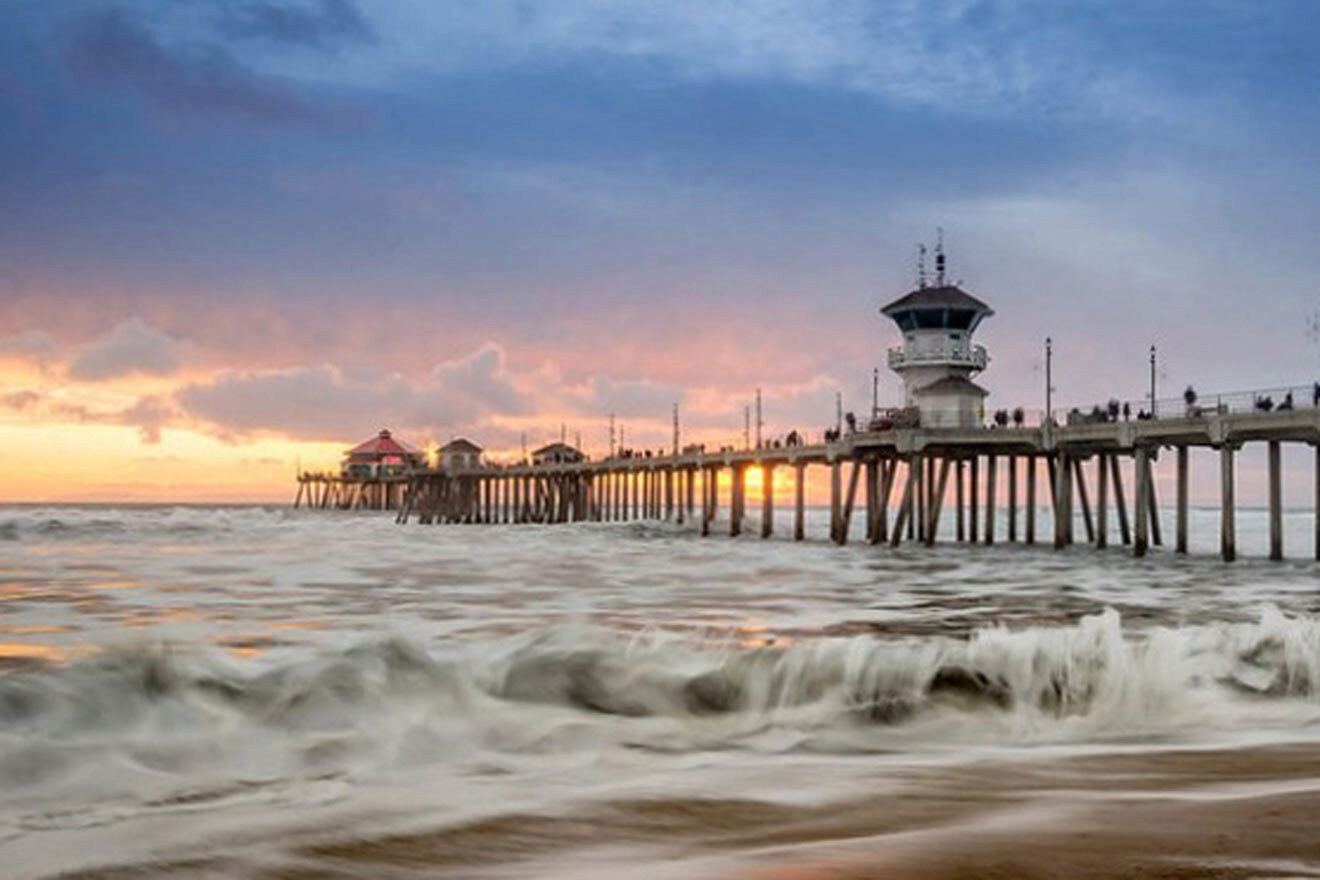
242 235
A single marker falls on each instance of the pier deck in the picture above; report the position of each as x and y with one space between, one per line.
905 472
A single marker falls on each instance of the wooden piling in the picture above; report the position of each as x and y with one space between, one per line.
737 500
1227 505
904 508
960 525
990 465
1181 540
799 500
1276 500
973 499
1084 498
1101 501
767 500
1153 504
1012 496
1120 502
1031 498
836 500
1141 475
937 502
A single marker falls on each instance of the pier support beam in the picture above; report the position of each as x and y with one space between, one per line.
959 498
767 500
1180 545
1012 497
836 500
1101 501
799 500
990 465
1120 502
1061 483
1276 501
1141 474
904 507
1227 504
1031 498
937 502
846 522
737 500
973 498
1085 500
888 470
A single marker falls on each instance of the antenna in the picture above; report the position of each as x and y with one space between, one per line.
611 435
921 267
939 257
747 427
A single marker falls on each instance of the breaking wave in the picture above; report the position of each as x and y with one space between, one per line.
174 710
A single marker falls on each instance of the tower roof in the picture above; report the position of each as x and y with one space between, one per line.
381 445
944 296
461 444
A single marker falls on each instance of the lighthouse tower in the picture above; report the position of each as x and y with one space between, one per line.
937 358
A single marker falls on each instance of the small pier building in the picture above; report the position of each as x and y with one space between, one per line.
458 454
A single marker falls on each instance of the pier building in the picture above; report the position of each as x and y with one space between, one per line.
938 358
457 454
381 456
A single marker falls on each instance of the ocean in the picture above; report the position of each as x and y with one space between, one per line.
258 692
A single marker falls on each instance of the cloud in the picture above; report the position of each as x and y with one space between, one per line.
20 400
110 47
30 346
130 348
148 414
326 402
319 24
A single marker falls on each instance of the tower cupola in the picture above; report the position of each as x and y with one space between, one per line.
937 358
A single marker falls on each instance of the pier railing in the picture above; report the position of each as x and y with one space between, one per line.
1281 398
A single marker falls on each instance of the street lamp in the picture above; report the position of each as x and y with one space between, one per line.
1152 381
1049 384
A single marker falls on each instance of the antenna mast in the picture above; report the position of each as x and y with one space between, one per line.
921 267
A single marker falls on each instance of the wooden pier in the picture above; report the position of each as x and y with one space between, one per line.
339 492
904 481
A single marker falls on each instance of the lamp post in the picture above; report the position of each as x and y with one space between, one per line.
759 421
875 393
1049 382
1152 381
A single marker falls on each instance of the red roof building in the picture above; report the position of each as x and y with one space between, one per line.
381 456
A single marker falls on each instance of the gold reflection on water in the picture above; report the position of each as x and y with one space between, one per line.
20 651
116 585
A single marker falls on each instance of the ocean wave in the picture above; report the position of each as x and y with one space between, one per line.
1090 669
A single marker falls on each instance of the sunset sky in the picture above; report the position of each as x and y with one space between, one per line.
241 235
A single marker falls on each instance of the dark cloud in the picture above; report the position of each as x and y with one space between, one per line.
111 48
148 414
20 400
325 402
130 348
323 24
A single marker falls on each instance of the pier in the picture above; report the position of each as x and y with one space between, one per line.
904 482
938 458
